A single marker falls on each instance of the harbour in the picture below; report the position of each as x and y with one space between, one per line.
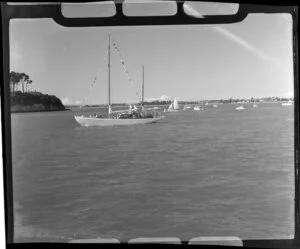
217 172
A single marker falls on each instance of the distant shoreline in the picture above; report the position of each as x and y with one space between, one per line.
180 103
19 108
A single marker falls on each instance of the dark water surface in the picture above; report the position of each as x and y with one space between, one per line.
218 172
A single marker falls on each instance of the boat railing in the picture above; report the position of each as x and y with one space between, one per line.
146 113
91 115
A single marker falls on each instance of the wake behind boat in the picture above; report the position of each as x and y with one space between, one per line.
124 117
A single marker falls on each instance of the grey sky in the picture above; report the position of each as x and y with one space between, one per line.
252 58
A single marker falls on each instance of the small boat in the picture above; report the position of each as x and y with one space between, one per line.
255 105
186 107
174 107
197 108
215 106
122 117
240 108
289 103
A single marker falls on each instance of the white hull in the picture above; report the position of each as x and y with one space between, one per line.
240 108
287 104
86 121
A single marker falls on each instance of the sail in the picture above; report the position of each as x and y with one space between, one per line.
171 106
119 119
175 104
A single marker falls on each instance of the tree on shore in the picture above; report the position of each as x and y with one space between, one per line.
24 78
28 82
14 80
17 78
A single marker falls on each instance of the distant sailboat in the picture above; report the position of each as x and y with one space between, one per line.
186 107
199 107
122 117
240 108
289 103
174 106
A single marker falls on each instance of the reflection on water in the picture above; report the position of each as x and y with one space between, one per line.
217 172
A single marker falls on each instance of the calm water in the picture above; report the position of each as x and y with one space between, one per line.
219 172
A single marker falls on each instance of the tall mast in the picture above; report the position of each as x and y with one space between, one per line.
109 104
143 88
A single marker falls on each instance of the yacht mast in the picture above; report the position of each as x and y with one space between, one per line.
143 89
109 104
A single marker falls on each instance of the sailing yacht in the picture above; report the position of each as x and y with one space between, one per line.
123 117
186 107
288 103
174 107
198 107
240 108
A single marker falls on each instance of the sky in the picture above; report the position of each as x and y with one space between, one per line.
252 58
